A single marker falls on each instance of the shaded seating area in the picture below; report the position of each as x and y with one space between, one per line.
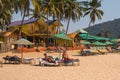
12 59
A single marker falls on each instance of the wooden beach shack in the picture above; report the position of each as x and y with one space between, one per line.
34 30
62 40
75 36
8 37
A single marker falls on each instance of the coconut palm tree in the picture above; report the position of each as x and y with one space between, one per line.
48 8
5 12
22 6
93 10
72 11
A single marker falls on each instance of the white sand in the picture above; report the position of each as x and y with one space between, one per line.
99 67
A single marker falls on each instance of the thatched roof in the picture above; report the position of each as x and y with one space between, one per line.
72 35
8 32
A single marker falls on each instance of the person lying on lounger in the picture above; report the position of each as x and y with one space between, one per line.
66 58
49 58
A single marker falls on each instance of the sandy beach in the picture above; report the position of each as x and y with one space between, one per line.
98 67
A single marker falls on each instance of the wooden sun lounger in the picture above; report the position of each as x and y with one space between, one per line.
58 62
12 60
102 51
43 62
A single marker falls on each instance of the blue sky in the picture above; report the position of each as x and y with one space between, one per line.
111 12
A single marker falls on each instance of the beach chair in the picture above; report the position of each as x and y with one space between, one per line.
43 62
101 52
73 62
12 59
28 60
91 52
86 52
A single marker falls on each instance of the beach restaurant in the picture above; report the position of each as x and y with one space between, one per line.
34 30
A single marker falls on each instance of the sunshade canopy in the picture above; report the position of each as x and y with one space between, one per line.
88 36
81 31
114 40
98 43
61 36
23 41
86 42
108 43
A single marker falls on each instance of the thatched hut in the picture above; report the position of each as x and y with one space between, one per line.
8 37
36 30
76 37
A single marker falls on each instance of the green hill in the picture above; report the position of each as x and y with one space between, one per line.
106 29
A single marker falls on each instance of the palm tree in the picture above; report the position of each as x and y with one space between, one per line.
72 11
48 8
23 7
5 12
93 10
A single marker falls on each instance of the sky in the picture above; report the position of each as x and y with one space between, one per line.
111 9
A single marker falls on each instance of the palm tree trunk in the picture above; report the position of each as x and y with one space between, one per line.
67 25
20 28
1 7
90 23
47 33
58 24
88 27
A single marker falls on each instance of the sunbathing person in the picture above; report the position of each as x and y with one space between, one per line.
67 59
7 57
49 58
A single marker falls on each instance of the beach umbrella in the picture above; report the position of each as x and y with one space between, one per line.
108 43
22 42
86 42
98 43
61 36
82 31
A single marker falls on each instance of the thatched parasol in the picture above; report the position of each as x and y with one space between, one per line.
22 42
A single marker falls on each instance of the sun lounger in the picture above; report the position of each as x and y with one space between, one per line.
28 60
12 59
73 62
101 52
89 52
43 62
